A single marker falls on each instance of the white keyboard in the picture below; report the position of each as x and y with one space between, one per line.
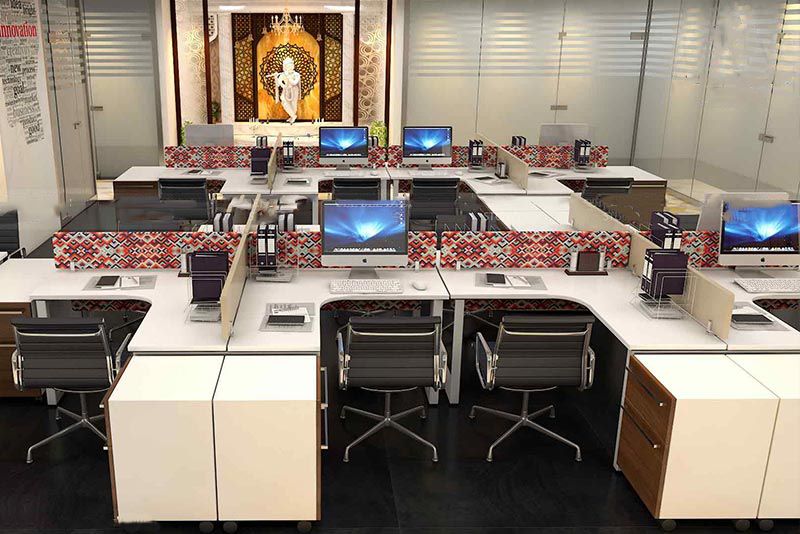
432 174
367 287
345 174
769 285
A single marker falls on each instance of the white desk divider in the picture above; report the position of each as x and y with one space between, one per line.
516 169
708 302
586 217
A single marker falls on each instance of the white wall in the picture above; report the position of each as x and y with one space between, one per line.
29 170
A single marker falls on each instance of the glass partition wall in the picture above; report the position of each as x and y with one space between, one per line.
704 93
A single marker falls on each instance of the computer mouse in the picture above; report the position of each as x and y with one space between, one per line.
419 285
459 173
373 173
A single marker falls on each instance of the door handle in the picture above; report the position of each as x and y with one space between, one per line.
96 108
75 125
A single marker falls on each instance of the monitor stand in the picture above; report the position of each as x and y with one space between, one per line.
363 273
343 167
425 167
753 271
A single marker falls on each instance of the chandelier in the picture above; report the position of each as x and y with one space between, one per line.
286 24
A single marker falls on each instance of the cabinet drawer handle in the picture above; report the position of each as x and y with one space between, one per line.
7 346
642 432
8 312
650 394
326 442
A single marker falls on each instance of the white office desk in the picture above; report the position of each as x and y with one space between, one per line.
19 277
312 286
757 340
609 298
153 173
165 328
524 214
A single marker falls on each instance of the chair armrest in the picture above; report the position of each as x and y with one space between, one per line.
122 350
442 364
15 370
343 361
590 369
487 382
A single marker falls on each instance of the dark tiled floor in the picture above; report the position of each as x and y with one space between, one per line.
390 485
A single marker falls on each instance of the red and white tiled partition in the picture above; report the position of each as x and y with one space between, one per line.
527 250
135 250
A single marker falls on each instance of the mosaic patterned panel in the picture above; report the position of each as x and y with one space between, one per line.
772 305
478 305
207 157
371 306
304 249
549 250
702 248
110 306
372 61
134 250
308 156
556 157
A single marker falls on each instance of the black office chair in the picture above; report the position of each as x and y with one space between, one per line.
9 234
391 355
532 354
187 189
356 189
68 355
432 197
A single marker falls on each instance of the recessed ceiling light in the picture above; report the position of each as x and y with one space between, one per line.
342 9
231 8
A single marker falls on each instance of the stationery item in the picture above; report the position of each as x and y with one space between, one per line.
208 262
664 272
587 263
107 282
207 288
497 280
287 320
475 154
581 152
288 154
267 247
500 170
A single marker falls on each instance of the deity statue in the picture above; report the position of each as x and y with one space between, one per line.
287 88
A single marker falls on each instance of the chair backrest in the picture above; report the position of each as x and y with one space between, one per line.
356 189
9 231
69 354
542 350
433 196
393 352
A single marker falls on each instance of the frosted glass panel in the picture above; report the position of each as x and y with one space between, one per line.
674 88
780 162
600 65
738 94
519 67
441 78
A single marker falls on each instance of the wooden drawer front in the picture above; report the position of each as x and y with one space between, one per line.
648 400
135 189
641 460
7 313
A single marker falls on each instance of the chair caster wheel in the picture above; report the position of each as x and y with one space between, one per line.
230 527
471 417
346 459
668 525
766 524
29 461
304 526
423 417
435 459
206 527
552 413
741 525
489 459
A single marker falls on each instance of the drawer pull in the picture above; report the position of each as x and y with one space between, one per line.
650 394
642 432
14 312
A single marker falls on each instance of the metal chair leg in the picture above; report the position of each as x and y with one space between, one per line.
81 421
414 436
551 434
364 413
361 438
499 440
408 412
505 415
63 432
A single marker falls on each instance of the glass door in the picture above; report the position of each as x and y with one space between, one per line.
123 84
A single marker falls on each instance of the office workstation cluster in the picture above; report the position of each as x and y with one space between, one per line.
534 267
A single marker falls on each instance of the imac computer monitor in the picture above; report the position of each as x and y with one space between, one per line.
760 235
712 205
427 145
365 233
344 146
209 134
562 134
